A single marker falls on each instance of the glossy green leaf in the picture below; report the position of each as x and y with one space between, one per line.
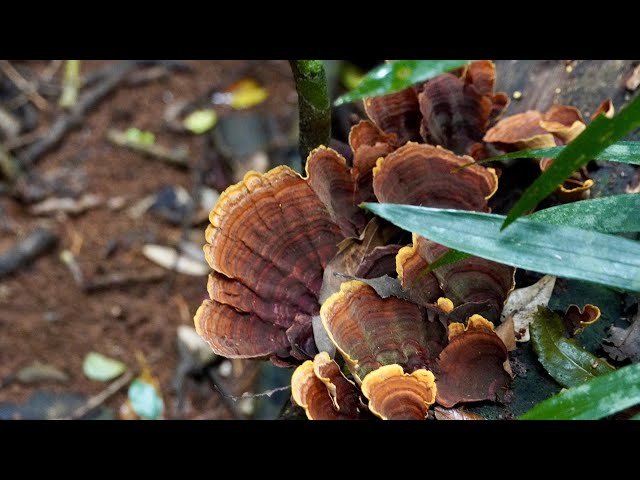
452 256
397 75
98 367
553 249
599 398
621 152
145 400
617 213
601 133
569 364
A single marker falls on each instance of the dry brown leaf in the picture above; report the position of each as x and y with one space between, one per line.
456 414
523 303
625 342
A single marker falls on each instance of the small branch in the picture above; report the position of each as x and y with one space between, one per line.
70 120
218 383
26 250
70 84
314 105
23 84
97 400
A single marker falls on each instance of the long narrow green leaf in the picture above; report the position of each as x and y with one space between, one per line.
598 398
601 133
553 249
621 152
617 213
398 75
568 363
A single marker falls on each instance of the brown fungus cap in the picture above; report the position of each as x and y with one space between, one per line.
471 368
457 110
395 395
419 174
370 331
396 114
269 241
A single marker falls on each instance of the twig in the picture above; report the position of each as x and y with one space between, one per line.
97 400
218 383
314 105
70 84
70 120
26 250
23 84
178 157
114 279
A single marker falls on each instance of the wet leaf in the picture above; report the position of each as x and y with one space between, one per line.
624 343
169 258
397 75
601 397
145 400
455 414
552 249
566 362
617 213
200 121
621 152
101 368
601 133
522 305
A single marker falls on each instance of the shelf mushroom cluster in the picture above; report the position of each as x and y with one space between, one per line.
276 242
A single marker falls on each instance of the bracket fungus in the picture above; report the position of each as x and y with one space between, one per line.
395 395
320 388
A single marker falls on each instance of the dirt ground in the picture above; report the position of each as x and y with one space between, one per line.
44 315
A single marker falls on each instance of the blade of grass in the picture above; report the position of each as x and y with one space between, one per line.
397 75
546 248
601 133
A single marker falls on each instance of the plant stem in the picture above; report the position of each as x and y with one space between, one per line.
313 101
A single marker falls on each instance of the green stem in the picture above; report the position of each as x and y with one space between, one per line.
315 108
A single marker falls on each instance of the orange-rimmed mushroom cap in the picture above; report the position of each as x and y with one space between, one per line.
420 174
395 395
471 368
472 280
342 391
457 111
269 241
520 132
576 318
397 114
370 331
422 286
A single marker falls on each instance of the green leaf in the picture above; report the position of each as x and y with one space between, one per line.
601 133
621 152
200 121
601 397
140 137
553 249
617 213
145 400
397 75
98 367
452 256
566 362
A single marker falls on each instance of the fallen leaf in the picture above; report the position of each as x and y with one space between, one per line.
567 362
101 368
194 344
200 121
625 342
169 258
385 286
242 94
66 205
506 332
633 82
144 397
523 303
455 414
140 137
37 372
